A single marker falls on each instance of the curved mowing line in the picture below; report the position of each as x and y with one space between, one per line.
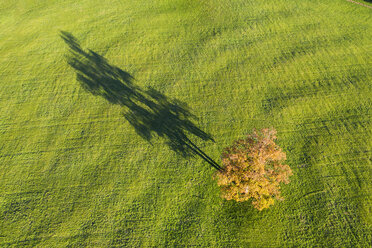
364 5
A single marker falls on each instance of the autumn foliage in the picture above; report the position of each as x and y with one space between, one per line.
253 168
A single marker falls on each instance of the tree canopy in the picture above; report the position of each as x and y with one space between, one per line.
254 168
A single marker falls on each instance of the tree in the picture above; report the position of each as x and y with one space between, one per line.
253 168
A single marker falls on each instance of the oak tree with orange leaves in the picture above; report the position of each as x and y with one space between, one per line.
254 168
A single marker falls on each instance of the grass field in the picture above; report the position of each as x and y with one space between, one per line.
74 172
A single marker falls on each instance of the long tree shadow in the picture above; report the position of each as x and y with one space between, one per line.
147 110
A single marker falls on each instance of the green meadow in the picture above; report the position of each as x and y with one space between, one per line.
84 163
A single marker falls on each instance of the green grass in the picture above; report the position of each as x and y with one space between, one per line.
74 173
367 2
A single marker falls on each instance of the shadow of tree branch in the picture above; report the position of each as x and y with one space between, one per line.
147 110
